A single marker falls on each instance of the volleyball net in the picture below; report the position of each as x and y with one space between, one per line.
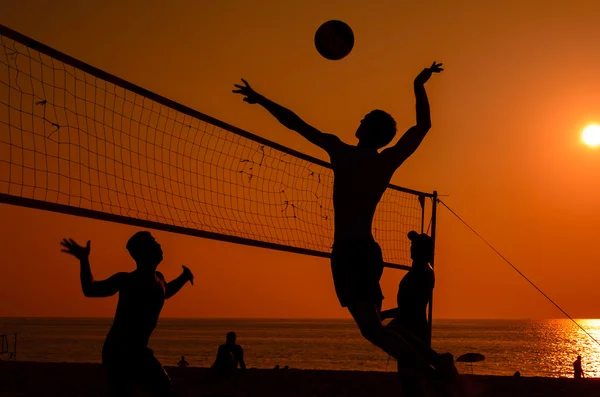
77 140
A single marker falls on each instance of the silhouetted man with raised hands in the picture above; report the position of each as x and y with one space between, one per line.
126 357
361 176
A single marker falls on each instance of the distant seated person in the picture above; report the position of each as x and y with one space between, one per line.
182 363
229 356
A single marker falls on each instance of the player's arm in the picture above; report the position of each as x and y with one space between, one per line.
241 359
90 287
175 285
289 119
410 141
100 289
390 313
219 357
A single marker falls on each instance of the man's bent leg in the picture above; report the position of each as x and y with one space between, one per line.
119 384
367 318
157 378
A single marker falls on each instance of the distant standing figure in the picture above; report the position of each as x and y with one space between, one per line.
577 368
229 356
182 363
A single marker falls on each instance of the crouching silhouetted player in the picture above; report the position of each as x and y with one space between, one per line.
126 357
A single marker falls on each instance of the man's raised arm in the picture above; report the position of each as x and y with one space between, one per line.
410 141
90 287
289 119
175 285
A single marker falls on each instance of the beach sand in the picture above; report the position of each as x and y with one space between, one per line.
69 380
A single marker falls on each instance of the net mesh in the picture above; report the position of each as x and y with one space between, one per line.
70 137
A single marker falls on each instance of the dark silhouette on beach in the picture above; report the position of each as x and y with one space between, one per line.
577 369
182 363
229 356
409 318
126 357
361 176
415 290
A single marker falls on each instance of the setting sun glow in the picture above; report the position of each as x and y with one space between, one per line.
591 135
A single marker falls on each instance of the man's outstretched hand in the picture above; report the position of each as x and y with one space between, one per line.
427 72
250 95
72 248
188 274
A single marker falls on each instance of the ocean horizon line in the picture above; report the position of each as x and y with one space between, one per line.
301 318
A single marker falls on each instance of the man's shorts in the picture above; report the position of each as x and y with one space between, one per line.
357 266
127 367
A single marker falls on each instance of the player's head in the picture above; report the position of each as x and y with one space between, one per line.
230 338
421 248
144 250
376 129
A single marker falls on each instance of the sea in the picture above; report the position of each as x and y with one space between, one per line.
532 347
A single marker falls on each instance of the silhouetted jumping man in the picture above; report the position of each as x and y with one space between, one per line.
361 176
126 357
410 316
229 356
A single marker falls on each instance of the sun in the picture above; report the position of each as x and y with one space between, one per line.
591 135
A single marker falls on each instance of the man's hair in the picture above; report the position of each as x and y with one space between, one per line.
382 127
231 335
138 243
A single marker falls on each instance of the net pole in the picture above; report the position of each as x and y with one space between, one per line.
433 232
422 200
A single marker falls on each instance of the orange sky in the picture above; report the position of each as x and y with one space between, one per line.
520 83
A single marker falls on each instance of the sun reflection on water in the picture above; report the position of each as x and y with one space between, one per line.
561 341
532 347
577 342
